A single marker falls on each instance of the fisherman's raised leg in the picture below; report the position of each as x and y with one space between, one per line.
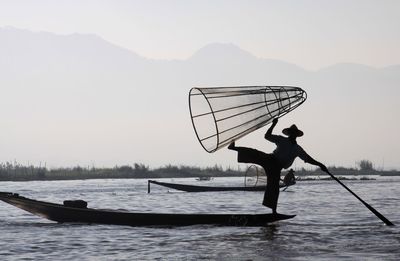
248 155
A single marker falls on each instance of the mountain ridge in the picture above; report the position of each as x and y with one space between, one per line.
66 98
219 50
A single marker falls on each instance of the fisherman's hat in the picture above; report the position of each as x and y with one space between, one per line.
292 130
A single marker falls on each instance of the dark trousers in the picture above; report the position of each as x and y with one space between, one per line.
272 169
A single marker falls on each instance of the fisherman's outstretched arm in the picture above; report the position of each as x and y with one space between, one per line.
312 161
308 159
268 135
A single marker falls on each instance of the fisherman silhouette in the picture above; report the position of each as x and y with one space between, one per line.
289 178
282 157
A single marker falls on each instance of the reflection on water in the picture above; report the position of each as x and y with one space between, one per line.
330 223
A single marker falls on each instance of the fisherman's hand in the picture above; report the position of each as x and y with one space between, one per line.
275 121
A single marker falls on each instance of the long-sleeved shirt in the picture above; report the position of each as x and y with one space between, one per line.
286 151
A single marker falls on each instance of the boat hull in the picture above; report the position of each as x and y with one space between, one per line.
195 188
64 214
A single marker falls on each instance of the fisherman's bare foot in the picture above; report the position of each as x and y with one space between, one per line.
231 146
273 210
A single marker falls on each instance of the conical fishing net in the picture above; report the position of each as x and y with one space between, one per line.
223 114
254 176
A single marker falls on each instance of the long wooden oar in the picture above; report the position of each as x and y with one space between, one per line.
379 215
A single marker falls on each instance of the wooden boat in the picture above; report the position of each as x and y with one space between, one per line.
204 178
195 188
79 213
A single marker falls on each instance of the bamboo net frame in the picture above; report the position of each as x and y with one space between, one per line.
254 176
221 115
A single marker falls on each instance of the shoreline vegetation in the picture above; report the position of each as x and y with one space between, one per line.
17 172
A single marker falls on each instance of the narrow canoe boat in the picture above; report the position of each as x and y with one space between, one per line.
195 188
68 213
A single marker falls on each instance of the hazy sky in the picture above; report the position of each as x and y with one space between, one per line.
309 33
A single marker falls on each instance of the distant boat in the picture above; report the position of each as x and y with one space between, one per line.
79 213
204 178
254 180
367 178
195 188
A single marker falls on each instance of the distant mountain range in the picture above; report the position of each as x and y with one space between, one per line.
79 99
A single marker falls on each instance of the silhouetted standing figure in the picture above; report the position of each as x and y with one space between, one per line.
282 157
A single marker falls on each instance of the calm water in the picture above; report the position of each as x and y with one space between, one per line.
330 223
